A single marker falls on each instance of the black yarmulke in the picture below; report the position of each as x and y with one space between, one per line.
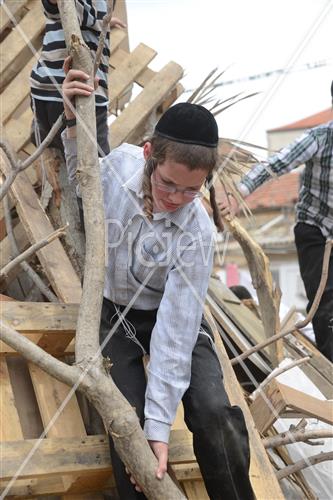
190 124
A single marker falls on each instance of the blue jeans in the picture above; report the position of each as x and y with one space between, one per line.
220 437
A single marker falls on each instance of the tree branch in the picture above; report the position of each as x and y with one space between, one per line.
295 437
35 354
302 464
105 27
275 373
18 166
31 251
299 324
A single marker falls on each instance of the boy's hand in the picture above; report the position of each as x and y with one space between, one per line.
117 23
74 84
161 453
228 206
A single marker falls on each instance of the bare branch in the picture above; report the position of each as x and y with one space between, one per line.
105 27
43 145
295 437
277 372
303 464
18 166
37 355
299 324
31 251
24 265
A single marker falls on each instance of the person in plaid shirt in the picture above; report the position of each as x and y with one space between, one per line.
314 215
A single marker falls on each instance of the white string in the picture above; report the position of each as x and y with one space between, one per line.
129 329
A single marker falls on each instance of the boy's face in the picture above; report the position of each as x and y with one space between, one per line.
174 185
178 178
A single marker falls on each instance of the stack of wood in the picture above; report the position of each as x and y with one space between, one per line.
50 442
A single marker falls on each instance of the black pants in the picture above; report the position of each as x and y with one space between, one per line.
47 113
220 437
310 245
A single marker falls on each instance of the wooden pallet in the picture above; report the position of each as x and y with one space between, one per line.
66 461
159 89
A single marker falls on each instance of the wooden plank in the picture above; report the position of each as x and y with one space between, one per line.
10 426
140 109
40 317
131 66
195 490
16 92
53 257
59 409
51 325
15 7
117 36
18 129
14 50
50 396
267 406
243 318
63 456
262 476
142 78
6 254
276 397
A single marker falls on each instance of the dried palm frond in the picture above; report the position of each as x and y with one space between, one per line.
234 159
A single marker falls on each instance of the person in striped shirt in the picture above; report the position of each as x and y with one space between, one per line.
48 74
314 215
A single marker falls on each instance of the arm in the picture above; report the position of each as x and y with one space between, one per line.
290 157
88 16
173 338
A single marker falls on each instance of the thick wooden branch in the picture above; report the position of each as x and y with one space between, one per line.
262 281
87 338
66 374
295 437
303 464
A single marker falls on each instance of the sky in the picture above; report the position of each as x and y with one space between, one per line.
244 38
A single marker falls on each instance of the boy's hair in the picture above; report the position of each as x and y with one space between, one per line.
193 156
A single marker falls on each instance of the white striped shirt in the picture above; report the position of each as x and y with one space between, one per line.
168 261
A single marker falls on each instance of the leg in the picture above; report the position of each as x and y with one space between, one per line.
128 374
310 245
220 437
102 130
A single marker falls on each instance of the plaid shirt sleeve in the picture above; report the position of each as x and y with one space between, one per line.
290 157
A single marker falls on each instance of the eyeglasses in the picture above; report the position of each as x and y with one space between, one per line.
167 188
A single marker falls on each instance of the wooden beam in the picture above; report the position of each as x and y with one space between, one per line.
86 455
15 7
10 427
16 92
53 257
140 109
262 476
127 70
276 397
14 49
